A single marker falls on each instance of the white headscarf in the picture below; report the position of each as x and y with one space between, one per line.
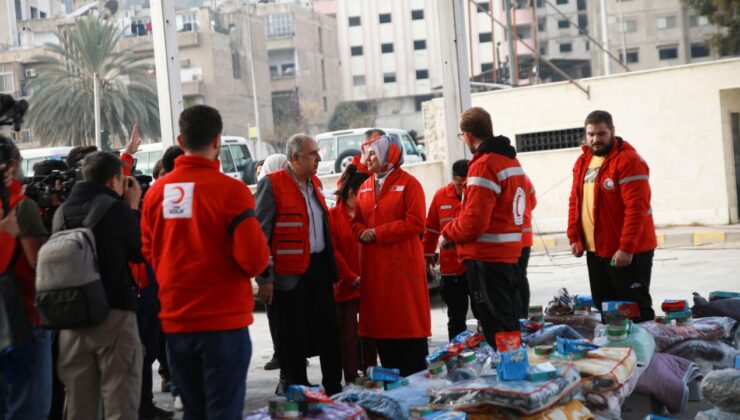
273 163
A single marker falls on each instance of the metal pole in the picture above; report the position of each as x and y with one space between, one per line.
255 100
605 38
510 36
167 65
623 29
535 32
96 105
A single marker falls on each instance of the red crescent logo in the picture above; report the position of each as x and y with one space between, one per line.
182 195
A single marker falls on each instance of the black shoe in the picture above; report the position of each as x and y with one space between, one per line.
273 364
282 386
155 413
166 384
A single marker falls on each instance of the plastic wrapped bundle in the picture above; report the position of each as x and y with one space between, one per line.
583 324
640 340
723 307
712 328
722 388
608 404
524 397
337 411
667 380
716 414
377 403
607 368
562 304
573 410
708 355
549 335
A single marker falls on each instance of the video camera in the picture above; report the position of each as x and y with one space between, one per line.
12 111
43 188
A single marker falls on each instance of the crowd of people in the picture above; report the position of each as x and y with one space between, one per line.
346 283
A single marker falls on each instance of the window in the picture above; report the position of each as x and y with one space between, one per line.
581 5
583 21
699 50
326 105
358 80
543 49
550 140
279 25
417 14
540 3
236 65
420 44
356 50
633 56
34 13
288 69
422 74
386 48
695 21
563 24
524 31
484 67
328 149
485 37
227 163
274 72
667 53
241 156
483 7
561 2
629 25
408 145
389 77
666 22
384 18
566 47
541 25
6 83
354 21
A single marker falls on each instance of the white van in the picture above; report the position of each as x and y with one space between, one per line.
338 147
34 156
235 156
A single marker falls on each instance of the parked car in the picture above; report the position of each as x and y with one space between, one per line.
34 156
337 148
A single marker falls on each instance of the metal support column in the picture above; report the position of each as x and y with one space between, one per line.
167 64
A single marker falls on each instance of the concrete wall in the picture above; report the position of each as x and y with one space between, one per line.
677 118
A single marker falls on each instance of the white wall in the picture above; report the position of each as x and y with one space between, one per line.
674 117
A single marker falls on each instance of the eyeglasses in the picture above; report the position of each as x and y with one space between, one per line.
461 136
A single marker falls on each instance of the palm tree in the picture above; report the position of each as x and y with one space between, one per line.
62 110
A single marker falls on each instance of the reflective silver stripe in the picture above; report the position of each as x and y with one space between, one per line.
288 224
485 183
289 252
432 231
508 172
500 237
650 211
525 230
445 207
633 178
446 219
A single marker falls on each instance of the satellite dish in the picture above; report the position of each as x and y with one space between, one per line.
111 6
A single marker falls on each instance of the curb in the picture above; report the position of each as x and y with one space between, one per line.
559 242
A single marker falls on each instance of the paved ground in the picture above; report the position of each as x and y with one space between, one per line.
677 272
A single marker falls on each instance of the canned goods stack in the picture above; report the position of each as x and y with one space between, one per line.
619 329
676 310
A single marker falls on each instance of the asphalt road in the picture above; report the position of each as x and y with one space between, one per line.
677 273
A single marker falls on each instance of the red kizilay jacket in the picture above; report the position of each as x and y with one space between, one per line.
346 252
202 238
489 227
623 218
444 208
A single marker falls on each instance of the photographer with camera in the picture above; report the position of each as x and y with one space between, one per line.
27 393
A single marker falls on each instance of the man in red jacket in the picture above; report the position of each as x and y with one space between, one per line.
202 239
609 216
444 208
488 231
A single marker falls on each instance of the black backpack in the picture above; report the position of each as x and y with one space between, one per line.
15 330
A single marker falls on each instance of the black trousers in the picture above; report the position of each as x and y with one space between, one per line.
270 309
306 320
455 295
523 263
406 354
494 294
149 333
631 283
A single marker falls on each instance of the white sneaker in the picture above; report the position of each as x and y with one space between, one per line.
178 404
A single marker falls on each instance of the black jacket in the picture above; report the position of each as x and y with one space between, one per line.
117 238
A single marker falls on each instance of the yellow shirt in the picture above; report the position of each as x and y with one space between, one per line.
587 202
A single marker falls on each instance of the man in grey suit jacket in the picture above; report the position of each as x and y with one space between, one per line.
299 282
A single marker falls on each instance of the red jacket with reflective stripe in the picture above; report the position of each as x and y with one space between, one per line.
531 204
444 208
346 252
489 227
291 244
394 298
623 218
201 238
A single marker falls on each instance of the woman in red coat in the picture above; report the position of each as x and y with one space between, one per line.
389 220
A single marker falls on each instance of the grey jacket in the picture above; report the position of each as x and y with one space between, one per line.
266 212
